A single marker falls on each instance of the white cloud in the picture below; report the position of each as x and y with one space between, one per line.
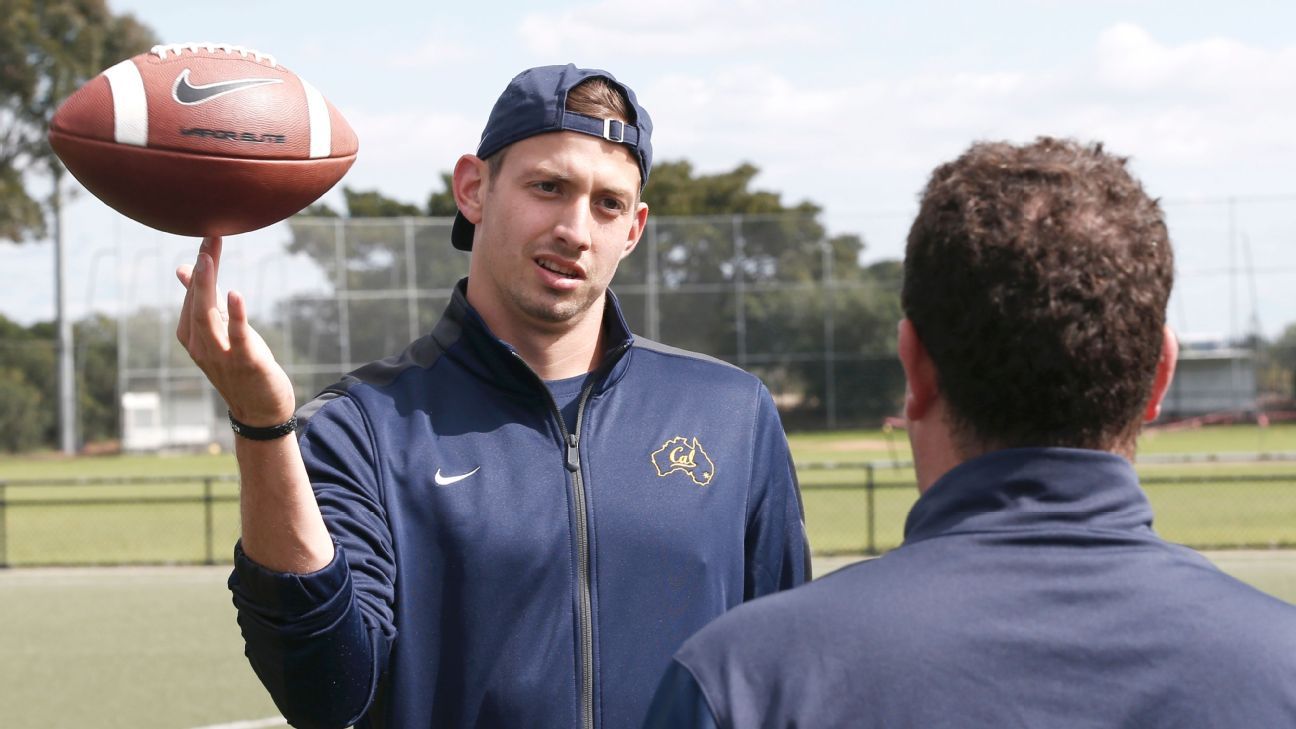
434 53
402 153
760 114
667 28
1129 58
1193 110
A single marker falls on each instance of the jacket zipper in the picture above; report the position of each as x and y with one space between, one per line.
585 615
585 605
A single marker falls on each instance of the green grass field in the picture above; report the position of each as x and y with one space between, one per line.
158 647
126 647
1224 512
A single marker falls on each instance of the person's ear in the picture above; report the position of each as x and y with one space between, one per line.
469 182
921 383
636 230
1164 374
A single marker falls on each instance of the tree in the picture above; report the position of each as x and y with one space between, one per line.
96 367
48 48
441 203
1283 353
816 325
23 414
27 370
382 234
27 386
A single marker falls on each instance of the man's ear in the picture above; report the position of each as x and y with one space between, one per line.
1164 374
469 182
637 229
921 383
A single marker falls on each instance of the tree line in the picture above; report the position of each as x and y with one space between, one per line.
29 387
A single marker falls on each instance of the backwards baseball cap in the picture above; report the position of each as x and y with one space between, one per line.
535 102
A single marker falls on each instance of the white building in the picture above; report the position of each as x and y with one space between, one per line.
1211 378
181 421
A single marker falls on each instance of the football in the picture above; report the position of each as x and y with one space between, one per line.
202 139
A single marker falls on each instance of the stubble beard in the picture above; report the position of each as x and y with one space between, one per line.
553 308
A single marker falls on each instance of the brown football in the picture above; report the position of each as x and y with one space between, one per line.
202 139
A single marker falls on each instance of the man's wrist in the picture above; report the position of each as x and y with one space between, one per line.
272 432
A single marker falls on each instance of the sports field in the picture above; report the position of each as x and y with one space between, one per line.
1223 487
146 647
157 647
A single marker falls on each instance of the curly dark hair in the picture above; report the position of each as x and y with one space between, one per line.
1037 277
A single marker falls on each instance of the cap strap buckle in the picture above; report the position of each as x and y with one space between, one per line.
620 130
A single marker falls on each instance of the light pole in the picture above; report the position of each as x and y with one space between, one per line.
66 370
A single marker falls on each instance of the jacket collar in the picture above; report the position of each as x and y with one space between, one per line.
464 336
1032 488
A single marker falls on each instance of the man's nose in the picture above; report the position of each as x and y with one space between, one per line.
574 223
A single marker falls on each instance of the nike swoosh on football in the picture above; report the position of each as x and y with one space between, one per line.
190 95
447 480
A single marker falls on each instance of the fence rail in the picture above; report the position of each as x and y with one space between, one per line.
849 509
27 504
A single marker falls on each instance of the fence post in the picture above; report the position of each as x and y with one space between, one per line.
871 515
207 513
740 288
829 299
652 304
341 291
4 538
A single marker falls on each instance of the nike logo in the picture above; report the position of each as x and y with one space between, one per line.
447 480
189 95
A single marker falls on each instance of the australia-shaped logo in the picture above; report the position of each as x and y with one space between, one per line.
681 455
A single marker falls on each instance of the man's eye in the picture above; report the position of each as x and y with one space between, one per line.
611 203
547 186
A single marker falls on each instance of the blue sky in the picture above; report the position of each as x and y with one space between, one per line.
848 104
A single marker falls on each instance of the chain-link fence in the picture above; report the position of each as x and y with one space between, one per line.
806 310
773 295
776 295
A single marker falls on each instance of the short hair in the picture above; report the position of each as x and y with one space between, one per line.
596 97
1037 278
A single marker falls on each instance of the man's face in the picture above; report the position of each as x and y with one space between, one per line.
556 219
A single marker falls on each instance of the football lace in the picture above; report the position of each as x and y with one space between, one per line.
177 48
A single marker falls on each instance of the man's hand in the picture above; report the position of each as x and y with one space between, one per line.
227 349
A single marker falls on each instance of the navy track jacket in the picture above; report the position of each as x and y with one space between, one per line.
1030 592
494 570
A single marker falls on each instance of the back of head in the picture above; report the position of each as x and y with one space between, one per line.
599 98
1037 278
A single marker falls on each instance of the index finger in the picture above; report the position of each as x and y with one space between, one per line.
212 245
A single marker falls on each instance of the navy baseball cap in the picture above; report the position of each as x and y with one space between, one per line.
535 102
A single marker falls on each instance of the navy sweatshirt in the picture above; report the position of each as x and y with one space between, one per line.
495 570
1030 591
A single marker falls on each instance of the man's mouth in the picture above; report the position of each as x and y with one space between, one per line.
558 268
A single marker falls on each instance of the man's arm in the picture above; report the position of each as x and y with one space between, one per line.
282 526
777 552
679 703
316 620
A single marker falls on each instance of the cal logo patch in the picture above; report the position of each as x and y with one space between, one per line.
679 454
